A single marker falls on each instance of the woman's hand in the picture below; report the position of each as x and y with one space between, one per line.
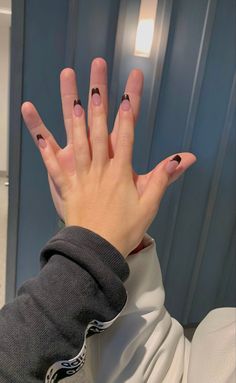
69 93
92 177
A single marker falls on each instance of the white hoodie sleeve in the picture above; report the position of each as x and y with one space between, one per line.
147 345
213 349
144 344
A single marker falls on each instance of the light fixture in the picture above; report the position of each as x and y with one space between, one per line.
145 28
5 11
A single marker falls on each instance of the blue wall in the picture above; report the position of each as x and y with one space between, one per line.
44 55
189 104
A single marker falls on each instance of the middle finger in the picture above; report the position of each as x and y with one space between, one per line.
69 93
98 79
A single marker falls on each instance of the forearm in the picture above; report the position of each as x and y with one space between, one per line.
81 282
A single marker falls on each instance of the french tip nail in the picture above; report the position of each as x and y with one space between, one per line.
96 98
78 107
95 91
125 102
78 110
177 158
125 105
41 141
77 102
171 167
125 97
173 164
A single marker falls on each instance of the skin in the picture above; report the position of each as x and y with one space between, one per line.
91 179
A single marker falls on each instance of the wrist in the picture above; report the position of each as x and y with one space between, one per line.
138 248
114 241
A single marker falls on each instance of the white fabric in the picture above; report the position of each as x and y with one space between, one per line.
146 345
213 349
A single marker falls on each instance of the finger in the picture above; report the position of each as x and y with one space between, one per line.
133 88
175 170
50 161
36 126
98 79
80 140
99 133
69 93
125 139
187 160
162 176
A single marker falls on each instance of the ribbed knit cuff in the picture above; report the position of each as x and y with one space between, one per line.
68 240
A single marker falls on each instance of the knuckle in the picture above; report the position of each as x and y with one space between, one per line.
99 139
80 145
126 139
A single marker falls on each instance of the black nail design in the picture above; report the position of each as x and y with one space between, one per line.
95 91
176 158
77 102
39 136
125 97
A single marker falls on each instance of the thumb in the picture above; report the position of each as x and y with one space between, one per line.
166 172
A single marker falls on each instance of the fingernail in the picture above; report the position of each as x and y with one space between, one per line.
125 97
77 102
96 98
41 141
78 110
125 102
176 158
173 164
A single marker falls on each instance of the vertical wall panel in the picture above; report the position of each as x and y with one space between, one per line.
220 213
198 77
174 129
171 119
16 80
44 51
215 132
96 31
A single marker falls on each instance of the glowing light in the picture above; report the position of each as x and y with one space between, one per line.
5 11
145 28
144 37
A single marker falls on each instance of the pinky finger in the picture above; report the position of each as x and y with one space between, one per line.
50 161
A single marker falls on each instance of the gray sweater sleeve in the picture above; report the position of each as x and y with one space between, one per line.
78 292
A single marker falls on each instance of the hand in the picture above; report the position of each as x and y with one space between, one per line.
97 186
69 93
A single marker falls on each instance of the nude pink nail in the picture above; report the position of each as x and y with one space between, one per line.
78 110
125 102
41 141
173 164
125 105
96 98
